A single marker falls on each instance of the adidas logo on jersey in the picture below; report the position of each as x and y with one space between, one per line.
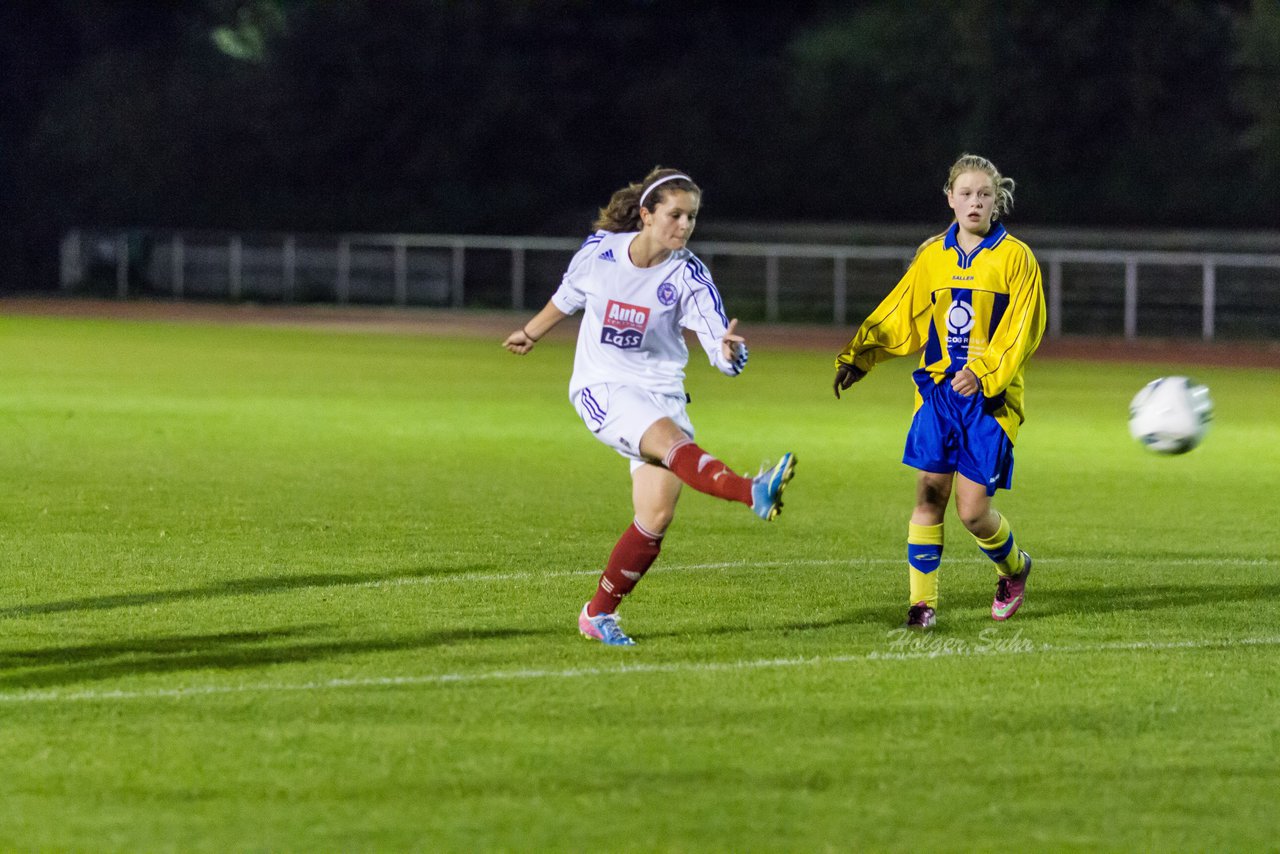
607 255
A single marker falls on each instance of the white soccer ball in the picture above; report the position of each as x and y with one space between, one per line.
1171 415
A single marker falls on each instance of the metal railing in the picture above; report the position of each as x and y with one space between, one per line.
405 269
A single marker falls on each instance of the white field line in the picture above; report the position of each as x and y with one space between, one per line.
468 577
852 563
899 649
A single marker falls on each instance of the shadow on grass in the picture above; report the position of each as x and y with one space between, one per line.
1142 597
1041 602
254 585
227 651
870 616
885 616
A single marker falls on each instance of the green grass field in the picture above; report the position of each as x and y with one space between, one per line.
285 589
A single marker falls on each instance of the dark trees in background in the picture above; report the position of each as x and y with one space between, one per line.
520 117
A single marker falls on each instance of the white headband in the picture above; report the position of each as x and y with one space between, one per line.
661 180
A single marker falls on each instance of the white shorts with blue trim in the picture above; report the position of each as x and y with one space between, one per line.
618 415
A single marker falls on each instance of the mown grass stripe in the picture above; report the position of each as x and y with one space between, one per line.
904 646
467 577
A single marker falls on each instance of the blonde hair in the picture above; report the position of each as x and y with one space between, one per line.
1004 185
623 211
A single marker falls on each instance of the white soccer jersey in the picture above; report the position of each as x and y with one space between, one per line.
633 316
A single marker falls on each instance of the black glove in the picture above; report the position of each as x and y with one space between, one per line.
846 375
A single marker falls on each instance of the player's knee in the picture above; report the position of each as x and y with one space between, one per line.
979 521
660 437
656 522
932 497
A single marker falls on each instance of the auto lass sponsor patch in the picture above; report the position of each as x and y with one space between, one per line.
624 325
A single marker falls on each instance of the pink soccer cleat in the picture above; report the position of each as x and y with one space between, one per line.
1009 591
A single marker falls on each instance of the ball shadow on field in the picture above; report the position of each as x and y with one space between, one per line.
249 586
224 651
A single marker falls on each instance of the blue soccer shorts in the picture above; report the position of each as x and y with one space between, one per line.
954 433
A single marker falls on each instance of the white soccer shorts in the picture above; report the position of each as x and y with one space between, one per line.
618 415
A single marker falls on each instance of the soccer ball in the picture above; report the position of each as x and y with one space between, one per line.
1170 415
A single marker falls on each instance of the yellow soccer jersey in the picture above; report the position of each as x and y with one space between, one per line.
983 310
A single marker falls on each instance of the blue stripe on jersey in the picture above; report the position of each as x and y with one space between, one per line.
932 347
698 272
999 304
593 238
594 409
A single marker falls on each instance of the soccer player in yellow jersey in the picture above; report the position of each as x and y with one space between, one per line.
972 300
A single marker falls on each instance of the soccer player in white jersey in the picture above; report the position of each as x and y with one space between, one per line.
972 301
638 287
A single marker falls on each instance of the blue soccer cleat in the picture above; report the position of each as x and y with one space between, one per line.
604 628
766 487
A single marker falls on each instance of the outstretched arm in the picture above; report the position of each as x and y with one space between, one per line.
703 314
522 340
894 328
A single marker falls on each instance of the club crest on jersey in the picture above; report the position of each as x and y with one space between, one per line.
624 325
667 293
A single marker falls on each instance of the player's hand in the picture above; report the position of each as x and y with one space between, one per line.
734 347
846 375
965 382
519 342
730 343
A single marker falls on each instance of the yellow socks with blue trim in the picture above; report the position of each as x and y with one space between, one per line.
924 554
1001 549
